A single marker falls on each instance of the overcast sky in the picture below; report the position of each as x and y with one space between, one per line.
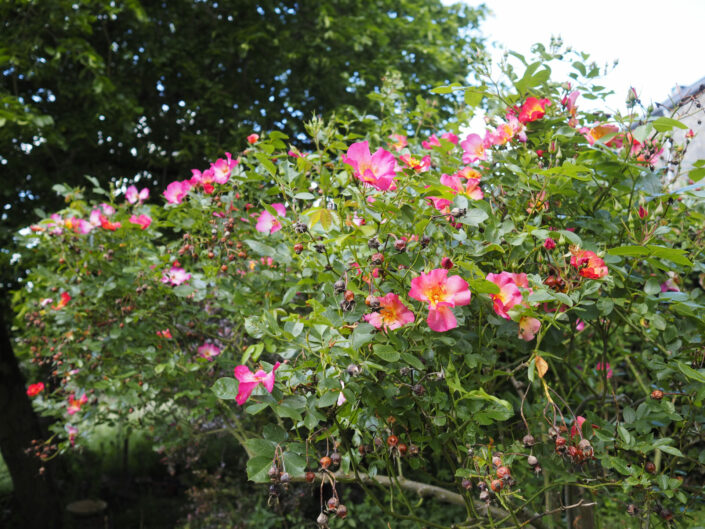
658 43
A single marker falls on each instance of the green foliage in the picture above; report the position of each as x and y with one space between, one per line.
623 286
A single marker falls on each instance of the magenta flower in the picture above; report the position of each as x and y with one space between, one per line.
176 191
268 223
175 276
577 427
208 351
549 243
466 182
133 196
599 367
73 433
442 294
75 404
391 315
249 381
509 293
431 143
473 148
450 137
142 220
377 170
223 168
417 165
253 138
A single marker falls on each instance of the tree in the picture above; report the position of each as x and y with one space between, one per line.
149 90
499 321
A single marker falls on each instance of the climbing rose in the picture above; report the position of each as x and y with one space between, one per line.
449 136
175 276
391 315
465 185
166 334
252 138
208 351
549 243
176 191
588 264
528 327
268 223
442 294
35 389
133 196
432 142
75 404
533 109
249 381
420 166
473 148
377 170
577 427
398 142
142 220
65 298
73 433
594 134
222 168
509 293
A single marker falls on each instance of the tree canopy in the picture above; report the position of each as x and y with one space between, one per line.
127 89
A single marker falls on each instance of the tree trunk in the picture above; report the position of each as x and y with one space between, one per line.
36 495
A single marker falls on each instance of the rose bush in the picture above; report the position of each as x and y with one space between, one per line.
510 319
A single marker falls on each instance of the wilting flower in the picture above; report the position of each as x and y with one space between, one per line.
208 351
176 191
142 220
175 276
690 134
442 294
73 433
75 404
549 243
398 142
533 109
473 148
377 170
670 284
133 196
577 427
35 389
569 103
268 223
391 315
253 138
420 166
588 264
249 381
446 263
596 133
509 293
528 327
166 334
341 398
65 298
606 367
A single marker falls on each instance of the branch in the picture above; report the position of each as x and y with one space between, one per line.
438 493
562 508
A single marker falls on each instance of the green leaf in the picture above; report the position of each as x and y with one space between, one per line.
267 163
261 447
690 372
413 361
671 450
257 468
386 352
363 334
328 398
629 251
666 124
225 388
260 248
446 89
473 217
482 286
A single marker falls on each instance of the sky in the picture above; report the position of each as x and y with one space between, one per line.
659 44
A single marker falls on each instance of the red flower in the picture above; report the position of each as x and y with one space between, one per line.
533 109
588 264
35 389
